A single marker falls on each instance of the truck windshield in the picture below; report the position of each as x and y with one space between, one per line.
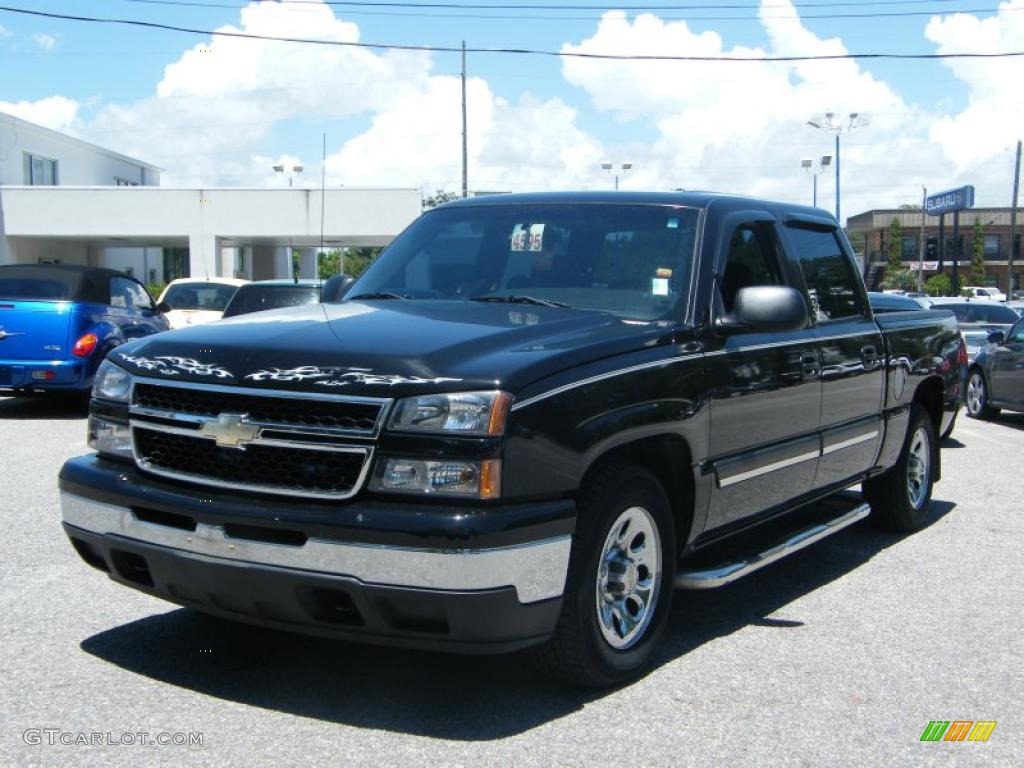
631 260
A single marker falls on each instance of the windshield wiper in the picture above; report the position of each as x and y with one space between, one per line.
380 295
521 300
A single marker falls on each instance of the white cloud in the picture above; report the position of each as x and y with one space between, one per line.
994 114
4 32
45 41
56 112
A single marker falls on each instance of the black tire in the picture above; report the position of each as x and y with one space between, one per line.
977 396
578 652
900 497
949 430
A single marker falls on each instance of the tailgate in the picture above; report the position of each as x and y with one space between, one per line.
34 330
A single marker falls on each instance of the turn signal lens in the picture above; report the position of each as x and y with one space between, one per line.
85 345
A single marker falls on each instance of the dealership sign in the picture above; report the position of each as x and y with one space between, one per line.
949 201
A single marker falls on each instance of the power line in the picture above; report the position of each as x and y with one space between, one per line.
403 13
511 51
549 6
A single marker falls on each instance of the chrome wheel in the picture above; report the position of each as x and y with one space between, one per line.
628 578
918 468
975 394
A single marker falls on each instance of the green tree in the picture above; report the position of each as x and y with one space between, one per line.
938 285
358 259
329 263
978 254
897 277
440 197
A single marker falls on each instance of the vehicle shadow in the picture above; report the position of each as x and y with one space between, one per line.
1010 419
467 698
44 405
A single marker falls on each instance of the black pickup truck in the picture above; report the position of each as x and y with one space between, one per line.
531 419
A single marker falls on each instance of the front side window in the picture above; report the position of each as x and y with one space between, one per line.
633 261
832 284
39 171
752 260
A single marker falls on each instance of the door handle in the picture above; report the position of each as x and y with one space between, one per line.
869 356
810 365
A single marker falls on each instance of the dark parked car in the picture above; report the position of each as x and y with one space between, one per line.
996 377
977 318
58 322
272 294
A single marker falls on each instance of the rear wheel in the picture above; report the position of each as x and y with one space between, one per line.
977 397
619 587
899 498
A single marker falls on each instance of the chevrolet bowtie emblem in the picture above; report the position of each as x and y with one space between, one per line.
5 335
230 430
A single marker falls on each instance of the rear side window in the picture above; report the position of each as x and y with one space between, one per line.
828 273
29 289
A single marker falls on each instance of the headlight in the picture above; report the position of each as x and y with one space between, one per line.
110 437
475 479
111 382
464 413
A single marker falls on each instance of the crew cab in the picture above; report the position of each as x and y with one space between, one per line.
526 424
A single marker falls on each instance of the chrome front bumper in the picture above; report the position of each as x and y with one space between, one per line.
537 570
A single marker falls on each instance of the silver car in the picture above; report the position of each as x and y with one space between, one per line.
977 318
995 379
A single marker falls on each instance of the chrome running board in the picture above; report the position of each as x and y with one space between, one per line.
726 573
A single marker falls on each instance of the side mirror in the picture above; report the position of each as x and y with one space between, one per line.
335 288
162 308
765 308
996 337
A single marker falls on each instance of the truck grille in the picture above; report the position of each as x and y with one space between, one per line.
329 472
354 417
290 444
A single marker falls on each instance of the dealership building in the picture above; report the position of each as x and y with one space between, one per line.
64 200
875 226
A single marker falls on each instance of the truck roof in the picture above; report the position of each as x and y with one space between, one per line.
697 199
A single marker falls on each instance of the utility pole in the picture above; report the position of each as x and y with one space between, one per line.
955 279
465 154
921 241
837 183
1013 225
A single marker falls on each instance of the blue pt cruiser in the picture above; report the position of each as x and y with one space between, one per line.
58 322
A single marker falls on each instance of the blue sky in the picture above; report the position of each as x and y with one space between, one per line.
535 121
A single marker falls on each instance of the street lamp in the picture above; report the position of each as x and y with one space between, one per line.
615 171
294 169
835 125
808 165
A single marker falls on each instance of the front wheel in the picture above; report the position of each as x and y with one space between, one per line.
619 586
899 497
977 397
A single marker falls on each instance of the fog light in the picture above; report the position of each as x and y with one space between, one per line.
479 479
110 438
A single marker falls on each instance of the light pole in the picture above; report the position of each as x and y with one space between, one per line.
615 171
294 169
808 165
831 124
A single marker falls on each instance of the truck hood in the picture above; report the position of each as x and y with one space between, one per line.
389 348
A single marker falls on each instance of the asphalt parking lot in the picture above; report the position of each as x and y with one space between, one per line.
840 655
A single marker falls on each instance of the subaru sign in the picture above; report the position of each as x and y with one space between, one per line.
949 201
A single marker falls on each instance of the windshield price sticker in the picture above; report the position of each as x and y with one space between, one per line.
528 237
